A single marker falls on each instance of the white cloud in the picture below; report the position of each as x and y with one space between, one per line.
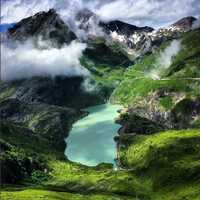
140 12
149 12
15 10
165 59
196 24
25 60
167 55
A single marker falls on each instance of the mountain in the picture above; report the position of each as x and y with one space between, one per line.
131 40
119 39
123 28
184 24
47 25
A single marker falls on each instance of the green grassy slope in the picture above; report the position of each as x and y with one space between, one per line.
33 194
169 160
166 157
38 164
154 164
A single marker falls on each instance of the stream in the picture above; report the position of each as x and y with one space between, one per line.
91 140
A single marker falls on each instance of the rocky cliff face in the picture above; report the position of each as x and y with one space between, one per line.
139 40
61 91
48 121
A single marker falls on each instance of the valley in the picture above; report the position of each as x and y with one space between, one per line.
155 136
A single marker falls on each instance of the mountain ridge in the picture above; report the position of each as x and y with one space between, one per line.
133 41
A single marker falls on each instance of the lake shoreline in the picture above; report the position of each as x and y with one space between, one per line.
100 120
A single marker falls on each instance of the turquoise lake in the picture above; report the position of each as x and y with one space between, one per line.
91 140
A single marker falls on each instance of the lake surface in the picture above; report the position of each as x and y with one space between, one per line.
90 141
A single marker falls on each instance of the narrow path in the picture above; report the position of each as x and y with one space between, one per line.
168 79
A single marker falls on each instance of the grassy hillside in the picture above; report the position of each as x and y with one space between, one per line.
32 163
52 195
154 164
166 157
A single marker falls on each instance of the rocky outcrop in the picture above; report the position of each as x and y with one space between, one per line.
151 117
186 113
50 122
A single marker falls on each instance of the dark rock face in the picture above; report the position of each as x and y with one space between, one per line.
184 23
138 125
185 113
123 28
47 25
61 91
135 121
50 122
151 118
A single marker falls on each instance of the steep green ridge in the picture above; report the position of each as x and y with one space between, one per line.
170 160
166 157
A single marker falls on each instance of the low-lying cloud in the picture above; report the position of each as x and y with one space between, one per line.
196 24
24 60
165 59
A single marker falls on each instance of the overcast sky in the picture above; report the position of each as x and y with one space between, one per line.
155 13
